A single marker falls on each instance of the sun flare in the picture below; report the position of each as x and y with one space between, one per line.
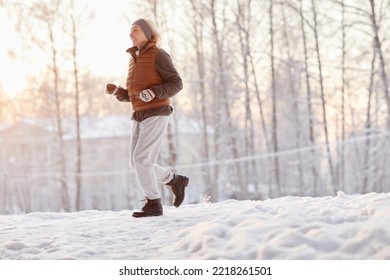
12 81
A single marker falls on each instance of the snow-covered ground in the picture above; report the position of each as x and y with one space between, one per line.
288 228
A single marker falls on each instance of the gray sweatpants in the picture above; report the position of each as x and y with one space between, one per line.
145 144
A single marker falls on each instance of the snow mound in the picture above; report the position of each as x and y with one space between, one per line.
339 227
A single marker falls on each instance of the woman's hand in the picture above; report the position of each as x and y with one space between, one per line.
111 89
146 95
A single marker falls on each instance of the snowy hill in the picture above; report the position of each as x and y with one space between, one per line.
340 227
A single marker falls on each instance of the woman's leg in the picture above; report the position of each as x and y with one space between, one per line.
133 143
145 147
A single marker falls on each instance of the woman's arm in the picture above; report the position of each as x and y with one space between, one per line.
172 82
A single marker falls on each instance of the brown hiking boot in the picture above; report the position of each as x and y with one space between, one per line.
178 185
151 208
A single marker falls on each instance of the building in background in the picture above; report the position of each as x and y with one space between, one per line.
30 173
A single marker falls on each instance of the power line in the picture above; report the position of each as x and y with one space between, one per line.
339 144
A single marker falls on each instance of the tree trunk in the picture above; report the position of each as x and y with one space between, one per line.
242 17
274 105
341 176
295 100
312 141
198 25
223 101
368 126
58 117
77 113
379 49
323 101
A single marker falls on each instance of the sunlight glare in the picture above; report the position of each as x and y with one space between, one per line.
12 81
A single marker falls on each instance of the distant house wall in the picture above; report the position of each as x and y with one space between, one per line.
30 169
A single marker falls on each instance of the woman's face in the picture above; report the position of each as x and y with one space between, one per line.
137 36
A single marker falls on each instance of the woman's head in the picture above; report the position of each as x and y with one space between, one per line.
144 30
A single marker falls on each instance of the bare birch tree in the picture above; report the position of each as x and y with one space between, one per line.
243 22
341 180
221 103
378 48
308 85
294 96
74 22
274 102
322 94
48 15
198 25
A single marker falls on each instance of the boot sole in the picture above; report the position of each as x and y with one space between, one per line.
143 215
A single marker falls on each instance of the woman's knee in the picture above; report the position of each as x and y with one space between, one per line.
140 160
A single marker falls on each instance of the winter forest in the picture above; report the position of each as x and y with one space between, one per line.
280 98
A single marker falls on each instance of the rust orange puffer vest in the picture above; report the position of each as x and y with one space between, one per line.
142 75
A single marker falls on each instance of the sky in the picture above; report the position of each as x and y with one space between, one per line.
11 77
102 48
341 227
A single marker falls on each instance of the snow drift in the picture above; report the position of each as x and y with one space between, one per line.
332 227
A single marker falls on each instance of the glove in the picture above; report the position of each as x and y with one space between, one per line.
146 95
122 95
111 89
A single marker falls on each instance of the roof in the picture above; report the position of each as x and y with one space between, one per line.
100 127
97 127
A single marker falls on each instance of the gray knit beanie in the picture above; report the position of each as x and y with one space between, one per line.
145 28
